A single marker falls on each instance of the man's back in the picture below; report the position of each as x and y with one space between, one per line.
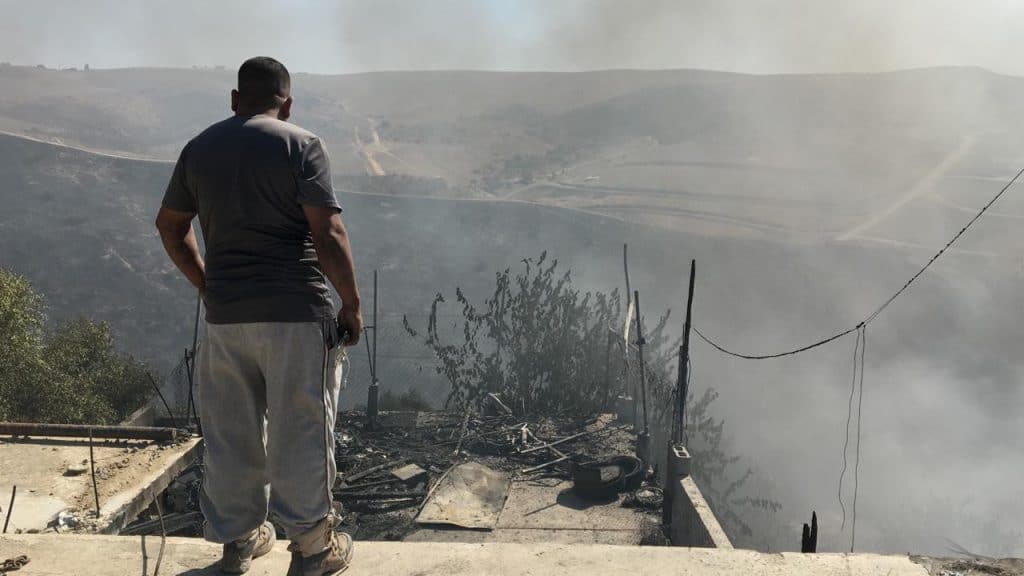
268 370
247 178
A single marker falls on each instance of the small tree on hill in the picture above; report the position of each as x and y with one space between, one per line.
73 375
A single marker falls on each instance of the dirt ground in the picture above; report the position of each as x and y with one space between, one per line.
52 475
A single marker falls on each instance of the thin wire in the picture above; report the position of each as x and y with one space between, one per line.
686 392
156 387
780 354
885 304
946 247
163 538
849 419
856 466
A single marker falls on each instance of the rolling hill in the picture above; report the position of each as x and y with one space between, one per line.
806 201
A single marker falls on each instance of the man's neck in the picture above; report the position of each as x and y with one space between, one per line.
272 112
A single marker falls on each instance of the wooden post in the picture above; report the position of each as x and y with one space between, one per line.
809 539
682 386
625 266
626 385
640 354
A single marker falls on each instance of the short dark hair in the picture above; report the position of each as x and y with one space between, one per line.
263 81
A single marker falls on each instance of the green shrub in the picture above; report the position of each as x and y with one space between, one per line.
72 375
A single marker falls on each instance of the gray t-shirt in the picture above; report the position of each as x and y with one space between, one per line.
247 177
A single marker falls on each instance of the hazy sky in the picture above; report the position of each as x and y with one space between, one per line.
353 36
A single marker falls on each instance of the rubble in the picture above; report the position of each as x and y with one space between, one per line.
469 495
385 474
381 502
13 564
408 472
77 469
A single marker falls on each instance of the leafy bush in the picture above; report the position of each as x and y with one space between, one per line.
72 375
537 342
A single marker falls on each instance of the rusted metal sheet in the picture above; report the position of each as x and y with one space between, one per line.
471 495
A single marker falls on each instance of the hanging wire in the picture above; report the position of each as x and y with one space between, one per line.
849 419
885 304
856 465
780 354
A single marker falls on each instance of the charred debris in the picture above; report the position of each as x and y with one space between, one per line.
387 471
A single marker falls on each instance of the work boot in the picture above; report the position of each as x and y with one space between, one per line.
238 555
331 553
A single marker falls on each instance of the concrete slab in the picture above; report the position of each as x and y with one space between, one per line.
129 475
53 554
548 511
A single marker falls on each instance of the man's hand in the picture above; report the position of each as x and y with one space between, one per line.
350 322
335 255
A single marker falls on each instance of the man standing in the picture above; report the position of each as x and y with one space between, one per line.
268 377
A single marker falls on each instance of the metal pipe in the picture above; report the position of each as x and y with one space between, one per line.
544 465
10 508
92 469
192 366
374 388
375 325
381 495
81 431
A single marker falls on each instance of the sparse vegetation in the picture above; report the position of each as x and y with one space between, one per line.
546 347
70 375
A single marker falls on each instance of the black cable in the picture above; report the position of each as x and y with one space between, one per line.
946 247
856 465
884 305
686 392
849 419
780 354
156 387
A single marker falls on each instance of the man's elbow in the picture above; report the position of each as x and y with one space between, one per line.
337 231
168 231
171 225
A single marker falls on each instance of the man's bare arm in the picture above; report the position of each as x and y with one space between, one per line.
181 245
335 255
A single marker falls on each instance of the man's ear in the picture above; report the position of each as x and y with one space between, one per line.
285 111
234 100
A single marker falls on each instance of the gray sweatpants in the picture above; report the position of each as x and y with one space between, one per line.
267 396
